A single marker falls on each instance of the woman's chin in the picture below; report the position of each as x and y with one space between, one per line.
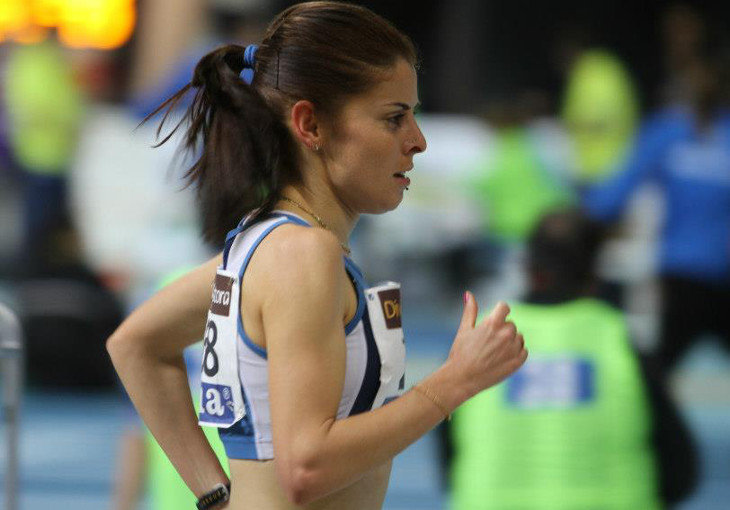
383 203
387 205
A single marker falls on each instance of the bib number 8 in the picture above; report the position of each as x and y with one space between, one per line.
210 358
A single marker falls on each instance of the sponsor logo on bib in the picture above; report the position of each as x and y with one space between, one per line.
217 404
390 301
220 303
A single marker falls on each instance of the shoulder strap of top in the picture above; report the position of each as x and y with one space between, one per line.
291 217
231 236
248 222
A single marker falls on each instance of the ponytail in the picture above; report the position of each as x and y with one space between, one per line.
247 154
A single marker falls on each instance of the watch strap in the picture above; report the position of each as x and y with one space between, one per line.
220 493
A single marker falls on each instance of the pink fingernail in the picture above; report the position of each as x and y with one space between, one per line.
466 296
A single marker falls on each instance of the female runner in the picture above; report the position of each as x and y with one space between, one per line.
300 136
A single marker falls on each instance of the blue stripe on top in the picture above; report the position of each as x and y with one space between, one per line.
231 237
371 380
250 343
360 285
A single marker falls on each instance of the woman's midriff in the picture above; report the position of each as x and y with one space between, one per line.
254 485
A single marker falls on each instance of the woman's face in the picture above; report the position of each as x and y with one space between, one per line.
371 145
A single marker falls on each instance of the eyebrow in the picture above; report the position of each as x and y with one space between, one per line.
404 106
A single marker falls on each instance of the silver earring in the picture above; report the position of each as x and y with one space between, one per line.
315 147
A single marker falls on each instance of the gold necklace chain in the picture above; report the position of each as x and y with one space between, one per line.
319 220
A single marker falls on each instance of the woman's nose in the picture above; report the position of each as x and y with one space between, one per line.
416 142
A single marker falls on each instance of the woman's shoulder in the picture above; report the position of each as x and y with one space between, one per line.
298 253
297 271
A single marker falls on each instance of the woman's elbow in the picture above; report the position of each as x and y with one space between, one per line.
301 483
114 345
119 347
305 487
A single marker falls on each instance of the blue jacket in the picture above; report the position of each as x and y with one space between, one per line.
693 170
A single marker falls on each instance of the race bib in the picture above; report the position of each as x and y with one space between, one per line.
384 310
221 401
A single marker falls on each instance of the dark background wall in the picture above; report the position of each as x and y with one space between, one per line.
475 51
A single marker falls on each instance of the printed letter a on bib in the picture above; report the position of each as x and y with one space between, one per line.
221 402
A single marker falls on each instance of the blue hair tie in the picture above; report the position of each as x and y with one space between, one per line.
249 63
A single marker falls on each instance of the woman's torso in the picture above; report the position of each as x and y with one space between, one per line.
249 442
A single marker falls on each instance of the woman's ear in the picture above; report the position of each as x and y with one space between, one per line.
305 124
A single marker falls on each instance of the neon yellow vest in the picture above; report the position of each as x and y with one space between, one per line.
167 491
569 431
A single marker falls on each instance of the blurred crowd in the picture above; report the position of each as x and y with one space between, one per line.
601 211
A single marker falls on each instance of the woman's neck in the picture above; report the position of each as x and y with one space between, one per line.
308 200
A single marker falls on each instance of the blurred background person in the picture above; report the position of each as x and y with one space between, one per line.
684 37
67 313
158 75
42 123
600 110
685 150
516 181
585 423
519 175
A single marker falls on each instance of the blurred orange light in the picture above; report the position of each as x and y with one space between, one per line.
31 34
14 17
99 24
47 12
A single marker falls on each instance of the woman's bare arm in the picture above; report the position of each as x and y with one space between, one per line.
147 353
302 309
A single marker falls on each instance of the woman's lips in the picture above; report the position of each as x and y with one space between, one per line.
402 179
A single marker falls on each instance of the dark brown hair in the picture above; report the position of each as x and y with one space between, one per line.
323 52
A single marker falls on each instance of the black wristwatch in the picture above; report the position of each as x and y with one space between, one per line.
219 494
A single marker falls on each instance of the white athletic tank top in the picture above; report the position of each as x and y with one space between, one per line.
375 365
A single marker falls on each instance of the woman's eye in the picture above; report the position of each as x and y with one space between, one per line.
396 121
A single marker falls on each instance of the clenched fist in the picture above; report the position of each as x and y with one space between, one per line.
484 354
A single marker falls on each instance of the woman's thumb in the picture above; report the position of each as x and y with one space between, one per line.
469 317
